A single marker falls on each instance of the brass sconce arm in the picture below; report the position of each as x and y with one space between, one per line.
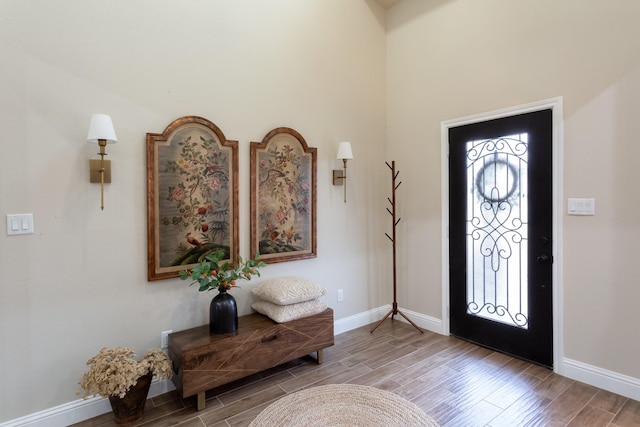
101 132
340 176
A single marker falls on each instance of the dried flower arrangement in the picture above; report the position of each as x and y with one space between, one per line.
113 371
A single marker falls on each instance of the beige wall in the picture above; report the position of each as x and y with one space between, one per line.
453 58
79 283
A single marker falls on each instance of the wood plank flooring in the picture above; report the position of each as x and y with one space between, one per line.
455 382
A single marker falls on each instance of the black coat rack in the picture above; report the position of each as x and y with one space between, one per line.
394 310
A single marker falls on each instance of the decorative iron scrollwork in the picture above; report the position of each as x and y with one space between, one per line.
497 229
518 319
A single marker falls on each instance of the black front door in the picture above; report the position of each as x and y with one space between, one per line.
500 219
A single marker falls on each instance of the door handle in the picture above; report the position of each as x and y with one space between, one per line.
543 259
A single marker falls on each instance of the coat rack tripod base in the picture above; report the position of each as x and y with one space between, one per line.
392 313
394 310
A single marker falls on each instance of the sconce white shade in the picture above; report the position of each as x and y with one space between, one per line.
344 151
101 127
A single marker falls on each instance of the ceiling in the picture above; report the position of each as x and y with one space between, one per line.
387 3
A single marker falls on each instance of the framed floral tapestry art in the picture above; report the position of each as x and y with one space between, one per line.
283 197
192 196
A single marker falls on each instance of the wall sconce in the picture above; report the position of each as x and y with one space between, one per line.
101 132
340 176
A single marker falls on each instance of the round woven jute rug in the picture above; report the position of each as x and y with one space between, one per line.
342 405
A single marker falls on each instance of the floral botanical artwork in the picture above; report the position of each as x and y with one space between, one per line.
283 197
192 196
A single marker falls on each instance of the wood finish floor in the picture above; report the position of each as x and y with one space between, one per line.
455 382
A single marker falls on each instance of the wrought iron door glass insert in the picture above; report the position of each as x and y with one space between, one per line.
496 218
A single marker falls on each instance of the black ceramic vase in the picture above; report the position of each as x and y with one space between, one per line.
223 314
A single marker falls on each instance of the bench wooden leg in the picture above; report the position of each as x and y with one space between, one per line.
200 405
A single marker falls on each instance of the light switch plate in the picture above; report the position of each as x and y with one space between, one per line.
581 206
19 224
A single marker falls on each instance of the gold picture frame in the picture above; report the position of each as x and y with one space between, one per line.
283 197
192 196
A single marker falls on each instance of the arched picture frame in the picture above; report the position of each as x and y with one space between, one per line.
192 196
283 197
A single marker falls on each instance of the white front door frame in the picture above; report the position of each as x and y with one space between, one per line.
555 104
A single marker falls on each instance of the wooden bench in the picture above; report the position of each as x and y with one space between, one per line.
202 361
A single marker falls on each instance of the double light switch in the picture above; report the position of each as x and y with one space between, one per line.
19 224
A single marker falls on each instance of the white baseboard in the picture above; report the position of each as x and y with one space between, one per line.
83 409
78 410
614 382
368 317
358 320
422 320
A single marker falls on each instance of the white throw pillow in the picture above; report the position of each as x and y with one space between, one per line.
287 313
288 290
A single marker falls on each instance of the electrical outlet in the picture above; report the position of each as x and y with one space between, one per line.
340 295
164 339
